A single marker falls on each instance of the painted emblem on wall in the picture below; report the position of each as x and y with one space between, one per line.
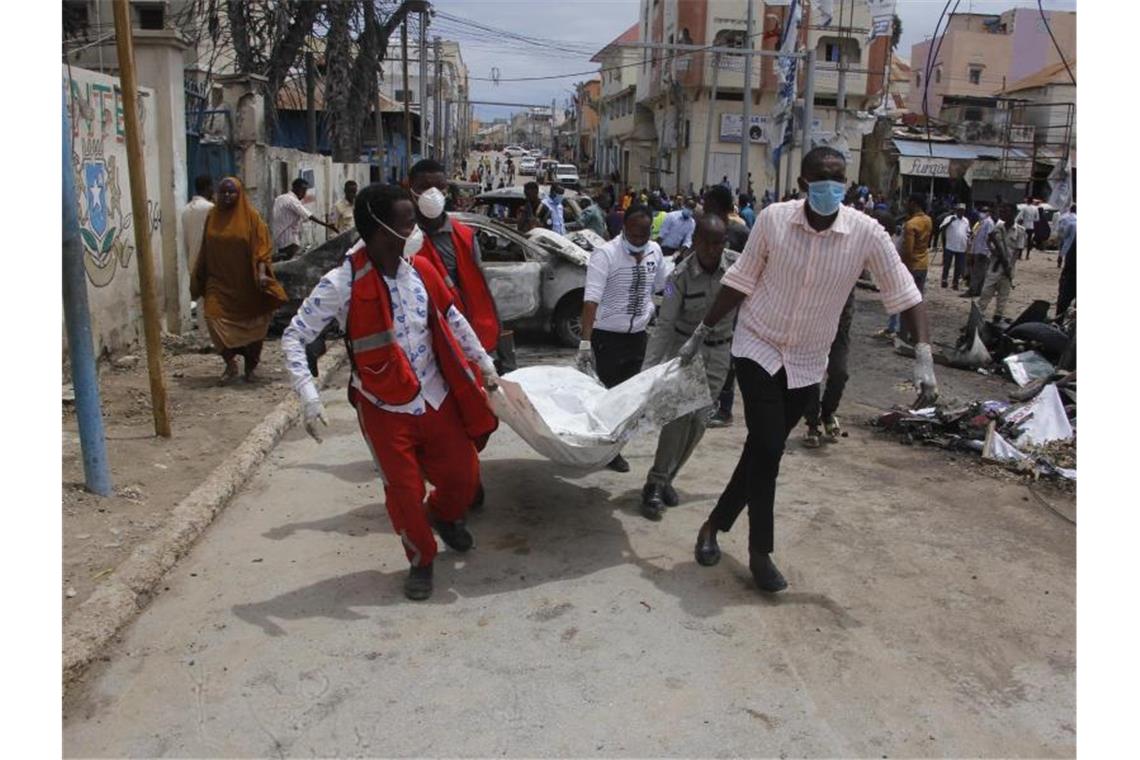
98 157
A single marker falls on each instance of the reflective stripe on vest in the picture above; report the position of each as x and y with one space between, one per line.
373 341
362 272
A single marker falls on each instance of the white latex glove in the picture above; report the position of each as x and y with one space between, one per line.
689 348
585 359
924 375
490 376
315 412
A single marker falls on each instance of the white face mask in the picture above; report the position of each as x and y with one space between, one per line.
634 248
412 243
431 203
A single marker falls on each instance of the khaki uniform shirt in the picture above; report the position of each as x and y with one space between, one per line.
689 291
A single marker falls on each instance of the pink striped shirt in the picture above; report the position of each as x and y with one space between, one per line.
797 281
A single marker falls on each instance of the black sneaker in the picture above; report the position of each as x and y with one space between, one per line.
417 586
720 419
618 464
765 573
669 495
455 535
707 552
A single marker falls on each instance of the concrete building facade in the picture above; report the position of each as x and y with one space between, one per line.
981 54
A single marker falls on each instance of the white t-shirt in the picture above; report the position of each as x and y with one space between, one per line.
1028 216
194 226
622 286
288 216
957 233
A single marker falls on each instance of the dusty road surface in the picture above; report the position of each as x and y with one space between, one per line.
930 611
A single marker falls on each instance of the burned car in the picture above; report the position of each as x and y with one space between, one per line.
537 280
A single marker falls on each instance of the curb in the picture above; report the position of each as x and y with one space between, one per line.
130 588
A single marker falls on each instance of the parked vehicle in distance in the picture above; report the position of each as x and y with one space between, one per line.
545 169
514 150
537 280
567 176
527 165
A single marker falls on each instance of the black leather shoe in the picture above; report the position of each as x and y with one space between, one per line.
618 464
765 573
669 495
652 507
707 552
417 586
455 535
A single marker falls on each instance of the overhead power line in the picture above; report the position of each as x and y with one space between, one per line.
1048 28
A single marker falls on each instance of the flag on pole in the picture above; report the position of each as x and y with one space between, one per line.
786 90
826 9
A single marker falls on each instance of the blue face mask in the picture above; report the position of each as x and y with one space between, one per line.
686 213
825 196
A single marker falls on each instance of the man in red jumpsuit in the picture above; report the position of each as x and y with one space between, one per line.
418 376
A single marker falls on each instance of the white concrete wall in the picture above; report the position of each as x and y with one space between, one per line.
103 194
327 179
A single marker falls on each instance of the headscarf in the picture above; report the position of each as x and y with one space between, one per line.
224 226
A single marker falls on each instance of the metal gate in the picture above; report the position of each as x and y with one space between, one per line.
209 137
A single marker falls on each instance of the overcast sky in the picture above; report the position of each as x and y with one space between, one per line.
582 27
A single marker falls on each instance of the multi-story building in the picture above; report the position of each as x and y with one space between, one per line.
453 93
675 89
622 147
588 95
981 54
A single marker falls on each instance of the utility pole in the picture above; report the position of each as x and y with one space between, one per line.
553 106
436 101
407 97
423 83
841 85
809 101
712 116
80 346
144 255
447 134
746 114
310 101
381 149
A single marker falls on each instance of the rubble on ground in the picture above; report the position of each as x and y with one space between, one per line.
1034 434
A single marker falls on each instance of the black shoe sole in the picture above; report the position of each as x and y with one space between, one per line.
622 466
653 512
466 544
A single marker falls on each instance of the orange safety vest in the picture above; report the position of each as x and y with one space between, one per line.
381 364
471 293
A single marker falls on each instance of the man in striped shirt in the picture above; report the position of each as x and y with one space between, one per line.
621 279
790 283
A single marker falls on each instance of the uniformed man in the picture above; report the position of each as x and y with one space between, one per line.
689 292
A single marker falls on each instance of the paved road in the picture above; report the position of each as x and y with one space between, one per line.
930 613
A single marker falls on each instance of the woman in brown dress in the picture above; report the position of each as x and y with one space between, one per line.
234 273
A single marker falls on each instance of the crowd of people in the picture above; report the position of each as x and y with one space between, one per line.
422 327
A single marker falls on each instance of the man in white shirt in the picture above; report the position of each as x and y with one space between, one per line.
194 227
790 283
956 227
677 230
1027 218
621 278
289 213
342 210
979 256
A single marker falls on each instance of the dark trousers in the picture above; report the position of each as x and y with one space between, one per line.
727 394
618 356
771 411
251 353
959 260
978 274
836 369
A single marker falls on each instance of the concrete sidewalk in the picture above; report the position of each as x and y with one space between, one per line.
927 615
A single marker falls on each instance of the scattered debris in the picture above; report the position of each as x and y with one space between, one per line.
130 361
1036 436
1028 366
71 592
69 394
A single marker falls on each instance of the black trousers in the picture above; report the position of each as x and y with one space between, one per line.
618 356
958 259
836 369
771 411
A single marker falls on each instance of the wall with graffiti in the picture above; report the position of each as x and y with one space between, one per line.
106 222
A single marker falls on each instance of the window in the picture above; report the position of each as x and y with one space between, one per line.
151 15
972 114
918 80
975 75
938 74
831 52
729 38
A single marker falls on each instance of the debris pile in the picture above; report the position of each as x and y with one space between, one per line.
1036 436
